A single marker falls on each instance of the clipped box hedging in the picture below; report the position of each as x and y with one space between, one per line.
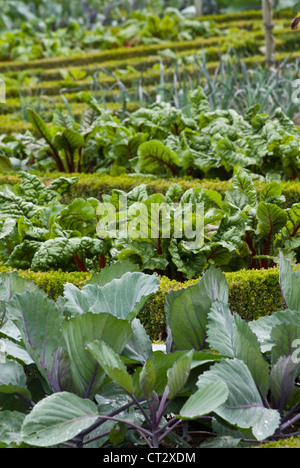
291 442
251 294
106 55
51 282
13 123
252 34
96 185
213 47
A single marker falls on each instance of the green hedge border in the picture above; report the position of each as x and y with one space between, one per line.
285 42
252 294
292 442
116 54
94 186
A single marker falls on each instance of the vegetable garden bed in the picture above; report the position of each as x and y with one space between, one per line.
82 130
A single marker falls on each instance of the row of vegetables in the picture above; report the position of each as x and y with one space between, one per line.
159 140
242 229
82 372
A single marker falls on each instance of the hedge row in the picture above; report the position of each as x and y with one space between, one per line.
142 61
13 104
96 185
255 34
53 88
292 442
12 122
90 58
237 20
247 15
251 42
252 294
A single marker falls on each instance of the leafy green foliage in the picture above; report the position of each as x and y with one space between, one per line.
40 232
176 234
162 140
39 38
93 391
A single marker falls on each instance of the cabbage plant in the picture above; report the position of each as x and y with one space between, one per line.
95 364
93 378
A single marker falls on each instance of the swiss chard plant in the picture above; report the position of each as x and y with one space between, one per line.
38 231
161 140
177 234
243 229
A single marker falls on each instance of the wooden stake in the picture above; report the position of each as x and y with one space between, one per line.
267 6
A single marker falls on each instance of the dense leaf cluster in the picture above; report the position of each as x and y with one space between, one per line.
86 374
36 39
241 229
160 140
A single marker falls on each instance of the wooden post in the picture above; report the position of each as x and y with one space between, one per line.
198 5
267 7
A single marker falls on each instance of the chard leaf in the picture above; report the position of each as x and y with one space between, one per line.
155 156
191 264
290 234
69 140
9 238
40 126
271 219
63 252
13 206
243 181
232 155
272 193
23 254
80 215
145 252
